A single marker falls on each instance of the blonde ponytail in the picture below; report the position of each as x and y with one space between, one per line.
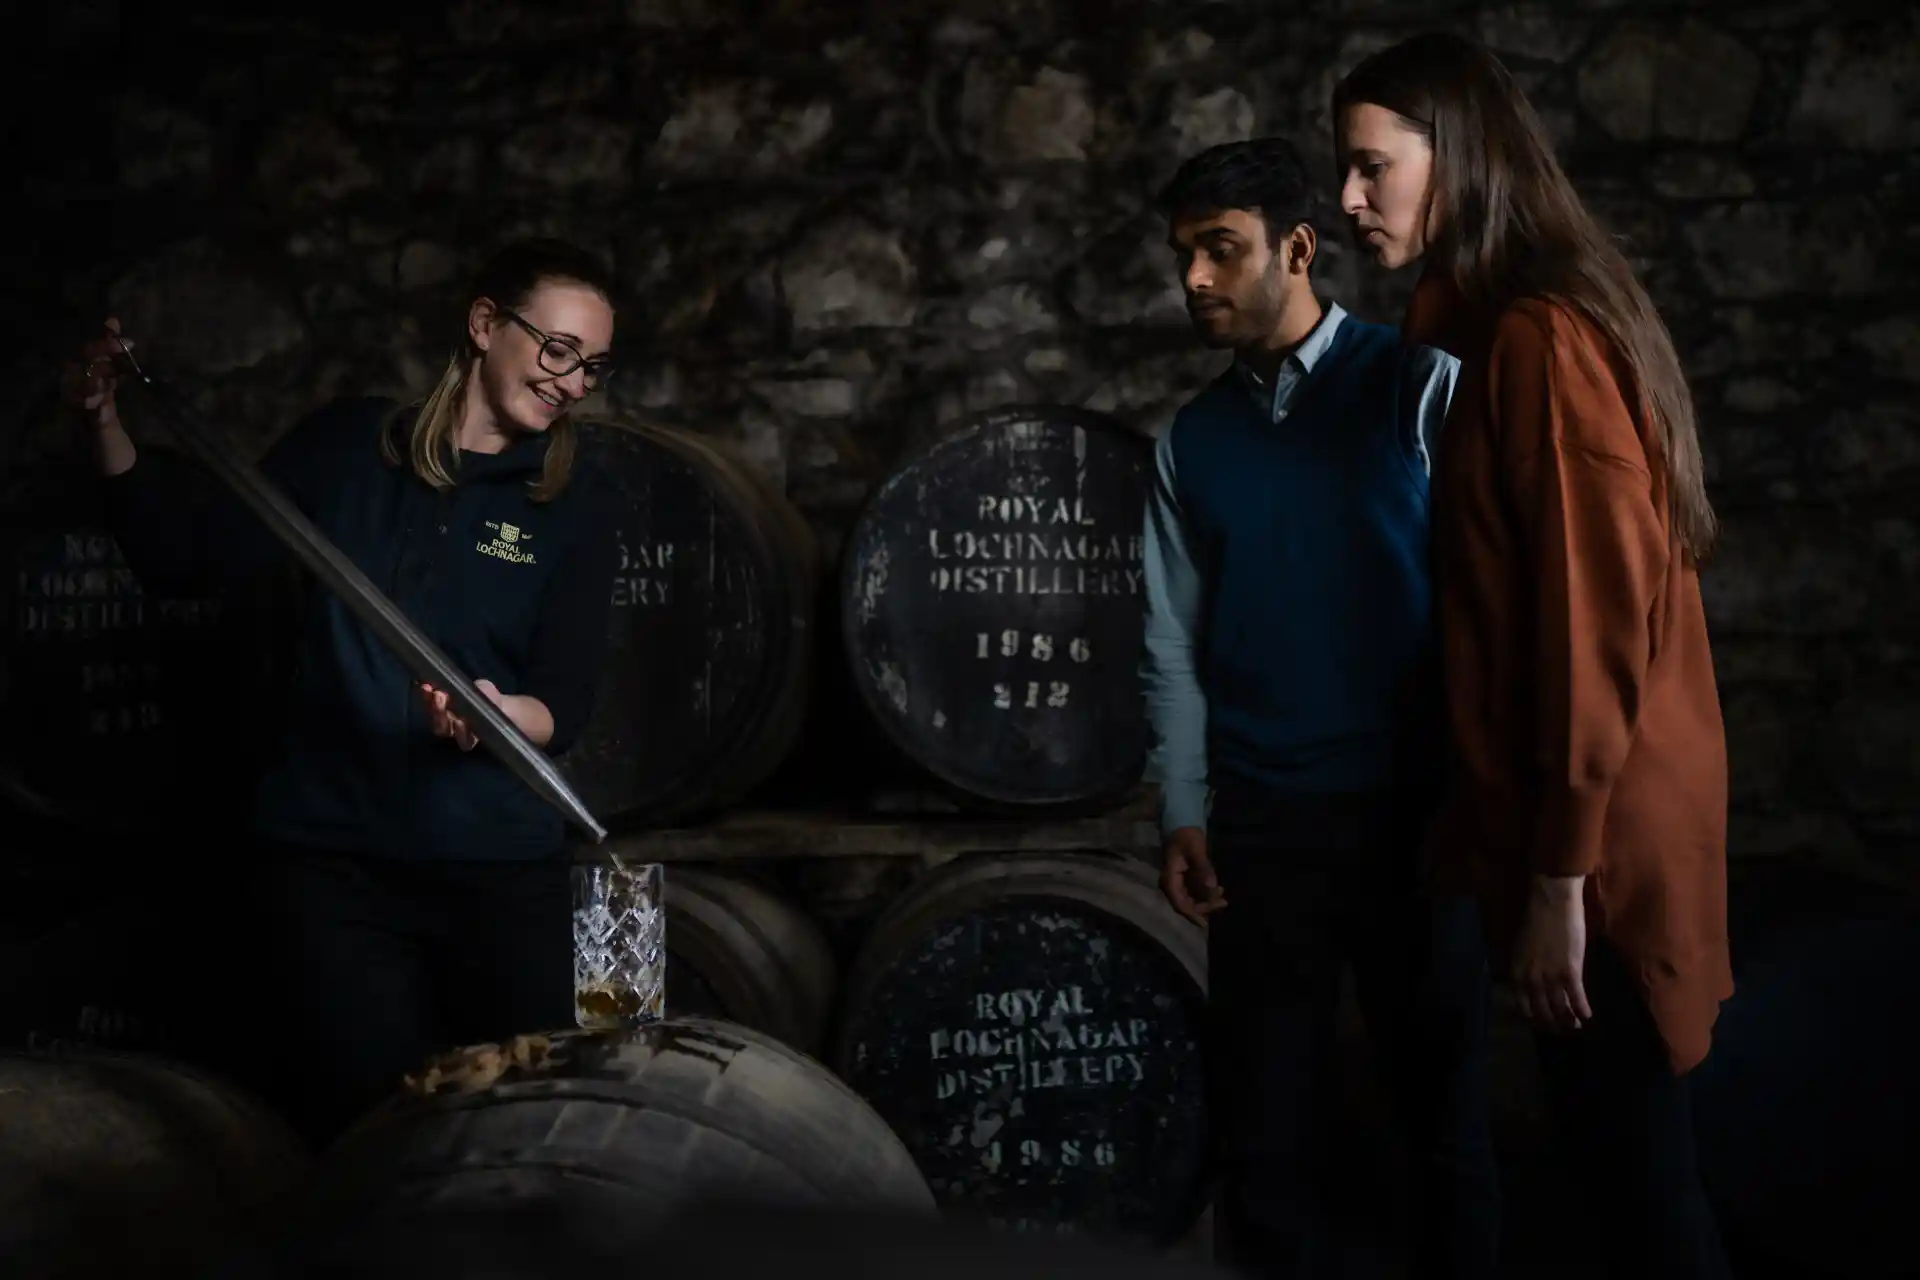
432 442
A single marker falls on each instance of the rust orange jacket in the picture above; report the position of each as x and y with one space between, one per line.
1585 725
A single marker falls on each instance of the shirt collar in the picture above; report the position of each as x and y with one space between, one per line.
1308 353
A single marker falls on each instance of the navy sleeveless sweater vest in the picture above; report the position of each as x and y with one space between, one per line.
1317 649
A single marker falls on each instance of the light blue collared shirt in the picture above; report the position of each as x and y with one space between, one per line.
1174 582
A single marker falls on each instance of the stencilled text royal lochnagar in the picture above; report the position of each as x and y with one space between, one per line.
79 589
1037 1038
1025 545
1034 1040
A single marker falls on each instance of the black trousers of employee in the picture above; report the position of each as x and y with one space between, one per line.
369 966
1314 882
1625 1125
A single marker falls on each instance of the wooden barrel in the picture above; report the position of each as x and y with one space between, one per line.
1030 1027
705 684
115 1166
633 1127
845 895
118 957
90 975
123 709
991 604
740 953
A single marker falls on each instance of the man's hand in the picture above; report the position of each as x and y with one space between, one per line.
1548 963
1186 876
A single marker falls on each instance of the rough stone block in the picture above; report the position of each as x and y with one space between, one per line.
1799 571
1015 228
647 385
683 261
1787 829
1153 54
1750 338
1761 742
424 264
1750 659
1871 445
1870 747
1743 455
159 145
1861 88
1201 120
1765 249
1647 81
309 164
1544 31
1760 395
1045 360
1130 278
450 165
1050 117
570 150
809 397
736 128
677 14
849 274
1019 310
1699 175
198 309
1893 342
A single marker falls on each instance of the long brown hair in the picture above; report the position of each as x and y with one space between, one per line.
1510 225
509 279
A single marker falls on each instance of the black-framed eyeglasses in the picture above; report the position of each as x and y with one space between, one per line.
560 357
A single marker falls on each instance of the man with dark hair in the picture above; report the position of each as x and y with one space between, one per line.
1293 692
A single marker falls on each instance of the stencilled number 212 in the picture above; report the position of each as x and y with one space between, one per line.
1055 696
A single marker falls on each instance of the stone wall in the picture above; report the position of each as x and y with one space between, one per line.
839 234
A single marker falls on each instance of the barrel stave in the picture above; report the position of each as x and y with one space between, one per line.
119 1164
747 955
645 1122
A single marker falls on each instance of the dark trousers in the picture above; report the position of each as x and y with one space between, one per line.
1313 883
1625 1124
369 966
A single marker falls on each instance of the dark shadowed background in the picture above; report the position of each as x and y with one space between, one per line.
842 227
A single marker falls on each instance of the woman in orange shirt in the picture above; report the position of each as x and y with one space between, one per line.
1588 789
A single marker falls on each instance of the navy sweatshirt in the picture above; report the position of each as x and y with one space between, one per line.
1289 630
512 590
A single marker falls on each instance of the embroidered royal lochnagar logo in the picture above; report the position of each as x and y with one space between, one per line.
509 543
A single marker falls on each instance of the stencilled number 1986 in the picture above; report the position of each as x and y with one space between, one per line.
1040 646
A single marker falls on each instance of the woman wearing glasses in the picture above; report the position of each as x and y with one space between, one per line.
412 893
